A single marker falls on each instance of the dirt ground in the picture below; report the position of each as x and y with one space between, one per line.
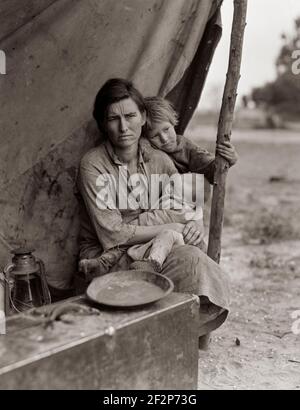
258 347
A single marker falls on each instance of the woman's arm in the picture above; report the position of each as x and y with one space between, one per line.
107 222
146 233
192 231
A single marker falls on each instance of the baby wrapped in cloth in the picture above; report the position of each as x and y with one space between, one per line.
183 195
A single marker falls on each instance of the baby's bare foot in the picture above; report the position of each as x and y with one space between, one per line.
88 265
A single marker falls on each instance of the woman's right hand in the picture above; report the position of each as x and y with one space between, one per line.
193 233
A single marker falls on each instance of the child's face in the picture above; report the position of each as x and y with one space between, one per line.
163 136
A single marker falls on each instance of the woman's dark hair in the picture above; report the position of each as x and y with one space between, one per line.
114 90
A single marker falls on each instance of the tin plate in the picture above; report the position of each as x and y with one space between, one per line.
129 288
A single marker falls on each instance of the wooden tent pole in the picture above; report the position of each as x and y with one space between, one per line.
225 126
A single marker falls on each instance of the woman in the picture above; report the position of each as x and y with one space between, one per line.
107 222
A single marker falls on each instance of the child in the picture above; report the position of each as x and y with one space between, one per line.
187 156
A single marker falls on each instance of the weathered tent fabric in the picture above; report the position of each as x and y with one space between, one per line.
58 55
186 94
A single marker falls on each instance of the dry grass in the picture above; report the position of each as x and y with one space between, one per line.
262 206
263 188
269 226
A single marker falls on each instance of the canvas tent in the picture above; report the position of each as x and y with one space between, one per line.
59 53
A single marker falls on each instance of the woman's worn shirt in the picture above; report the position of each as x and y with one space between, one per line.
102 189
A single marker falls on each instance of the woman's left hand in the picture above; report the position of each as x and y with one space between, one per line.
227 151
193 233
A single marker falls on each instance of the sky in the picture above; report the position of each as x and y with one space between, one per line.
266 21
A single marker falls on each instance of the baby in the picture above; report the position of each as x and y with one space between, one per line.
183 194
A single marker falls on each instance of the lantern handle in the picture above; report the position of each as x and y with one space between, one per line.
8 287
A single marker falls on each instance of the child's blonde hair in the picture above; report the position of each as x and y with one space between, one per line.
159 109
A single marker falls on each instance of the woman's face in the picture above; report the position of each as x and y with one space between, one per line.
123 123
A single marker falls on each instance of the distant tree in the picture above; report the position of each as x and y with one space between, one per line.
282 96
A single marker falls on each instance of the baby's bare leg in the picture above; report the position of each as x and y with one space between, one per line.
162 246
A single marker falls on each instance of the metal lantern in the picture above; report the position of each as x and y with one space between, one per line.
26 281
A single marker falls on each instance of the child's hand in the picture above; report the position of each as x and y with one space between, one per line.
227 151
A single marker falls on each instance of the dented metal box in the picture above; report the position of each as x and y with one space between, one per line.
154 347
